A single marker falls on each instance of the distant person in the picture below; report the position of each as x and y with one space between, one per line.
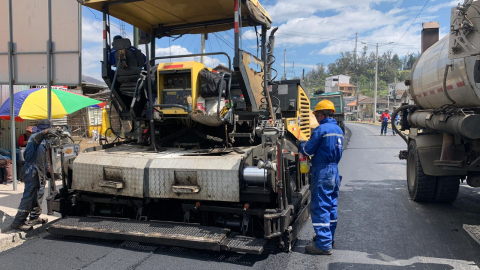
395 122
384 118
23 139
112 54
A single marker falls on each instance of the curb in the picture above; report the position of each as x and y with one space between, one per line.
11 237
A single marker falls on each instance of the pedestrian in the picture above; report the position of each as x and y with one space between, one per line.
34 175
395 122
384 118
325 150
23 139
6 167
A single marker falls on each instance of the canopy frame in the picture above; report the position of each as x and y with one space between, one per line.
252 87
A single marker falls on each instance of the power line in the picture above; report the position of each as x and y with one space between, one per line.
411 24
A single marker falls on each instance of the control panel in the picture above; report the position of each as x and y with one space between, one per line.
176 88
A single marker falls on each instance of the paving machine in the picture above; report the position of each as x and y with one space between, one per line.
211 161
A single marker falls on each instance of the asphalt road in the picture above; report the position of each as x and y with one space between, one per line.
378 228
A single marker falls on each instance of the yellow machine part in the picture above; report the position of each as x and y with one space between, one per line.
170 68
300 126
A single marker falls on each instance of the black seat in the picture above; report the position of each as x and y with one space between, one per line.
129 65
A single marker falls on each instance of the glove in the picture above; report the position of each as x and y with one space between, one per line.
51 132
299 143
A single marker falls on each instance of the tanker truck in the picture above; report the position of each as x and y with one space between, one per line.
444 123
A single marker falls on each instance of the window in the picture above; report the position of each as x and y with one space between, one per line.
342 88
350 88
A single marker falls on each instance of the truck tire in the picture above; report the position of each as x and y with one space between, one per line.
421 187
447 189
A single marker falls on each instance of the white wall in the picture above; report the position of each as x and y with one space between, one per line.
331 81
399 85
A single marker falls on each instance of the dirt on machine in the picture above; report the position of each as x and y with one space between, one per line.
212 160
443 123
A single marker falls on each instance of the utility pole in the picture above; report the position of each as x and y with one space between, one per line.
395 92
358 106
355 53
203 37
375 90
285 64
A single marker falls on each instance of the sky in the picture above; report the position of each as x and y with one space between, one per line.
311 32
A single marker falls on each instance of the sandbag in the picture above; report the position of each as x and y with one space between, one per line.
210 83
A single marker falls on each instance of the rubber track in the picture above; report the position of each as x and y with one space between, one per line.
447 189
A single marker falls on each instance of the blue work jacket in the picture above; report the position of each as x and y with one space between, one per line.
325 145
36 156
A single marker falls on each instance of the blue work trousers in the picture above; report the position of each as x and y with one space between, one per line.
32 199
393 130
325 185
384 128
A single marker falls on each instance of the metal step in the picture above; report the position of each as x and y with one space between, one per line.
473 231
244 244
158 232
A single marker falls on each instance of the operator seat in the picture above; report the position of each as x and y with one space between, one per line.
129 64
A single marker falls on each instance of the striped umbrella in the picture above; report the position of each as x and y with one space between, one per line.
32 104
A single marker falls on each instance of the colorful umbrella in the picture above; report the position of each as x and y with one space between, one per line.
32 104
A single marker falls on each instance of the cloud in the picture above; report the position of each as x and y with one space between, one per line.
340 28
409 43
92 30
285 10
436 8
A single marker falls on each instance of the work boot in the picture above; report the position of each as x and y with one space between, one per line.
312 249
314 239
36 221
21 226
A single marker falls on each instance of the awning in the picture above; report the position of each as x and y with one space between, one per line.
176 17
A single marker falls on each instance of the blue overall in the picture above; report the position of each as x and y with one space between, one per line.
325 149
34 175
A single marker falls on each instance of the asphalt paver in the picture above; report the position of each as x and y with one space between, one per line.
379 227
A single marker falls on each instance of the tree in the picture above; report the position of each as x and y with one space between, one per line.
363 73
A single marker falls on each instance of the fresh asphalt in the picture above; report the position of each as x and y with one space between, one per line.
378 228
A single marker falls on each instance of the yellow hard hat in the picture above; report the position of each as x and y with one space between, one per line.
324 105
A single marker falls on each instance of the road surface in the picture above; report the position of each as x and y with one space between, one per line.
378 228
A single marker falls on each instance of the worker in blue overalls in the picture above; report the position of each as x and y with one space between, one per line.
325 150
34 175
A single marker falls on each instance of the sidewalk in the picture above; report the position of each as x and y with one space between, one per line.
9 201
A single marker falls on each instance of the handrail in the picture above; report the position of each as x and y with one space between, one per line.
193 55
220 91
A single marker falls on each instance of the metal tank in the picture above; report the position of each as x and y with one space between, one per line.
444 73
427 76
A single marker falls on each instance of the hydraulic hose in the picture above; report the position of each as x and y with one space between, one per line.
447 67
394 115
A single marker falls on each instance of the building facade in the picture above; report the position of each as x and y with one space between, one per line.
331 81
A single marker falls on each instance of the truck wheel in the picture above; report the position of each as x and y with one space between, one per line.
447 189
421 187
